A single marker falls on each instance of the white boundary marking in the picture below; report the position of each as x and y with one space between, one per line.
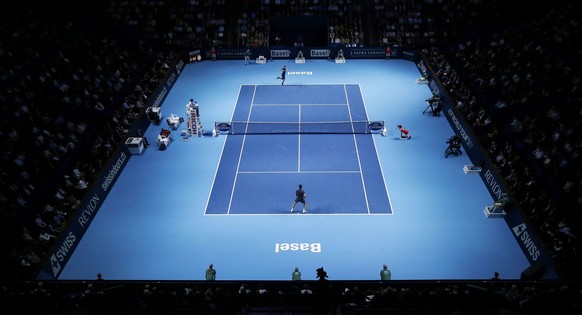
242 149
358 150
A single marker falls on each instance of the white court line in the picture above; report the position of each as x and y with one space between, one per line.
358 153
240 154
377 156
300 214
221 154
299 142
296 172
310 84
288 104
322 172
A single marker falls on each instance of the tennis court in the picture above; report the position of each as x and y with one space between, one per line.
314 135
225 200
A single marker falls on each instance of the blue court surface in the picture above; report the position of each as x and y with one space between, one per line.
342 171
371 199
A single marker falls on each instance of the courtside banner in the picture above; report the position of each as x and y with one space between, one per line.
226 54
409 55
195 55
68 240
366 53
422 67
328 52
65 244
320 53
515 218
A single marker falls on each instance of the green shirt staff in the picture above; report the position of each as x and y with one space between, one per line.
385 274
210 273
296 275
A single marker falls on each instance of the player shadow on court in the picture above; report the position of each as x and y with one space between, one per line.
397 137
312 211
319 210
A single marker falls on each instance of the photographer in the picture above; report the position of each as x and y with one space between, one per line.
321 274
435 98
454 147
436 108
434 104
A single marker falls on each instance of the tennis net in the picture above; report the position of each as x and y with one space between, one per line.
326 127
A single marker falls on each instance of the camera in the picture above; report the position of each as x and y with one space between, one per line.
433 99
434 107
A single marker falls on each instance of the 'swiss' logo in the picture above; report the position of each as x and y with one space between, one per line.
62 253
56 265
521 233
519 229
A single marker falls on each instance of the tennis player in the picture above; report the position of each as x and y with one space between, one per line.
299 197
283 73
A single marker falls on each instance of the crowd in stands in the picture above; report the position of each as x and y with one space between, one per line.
198 24
253 29
171 24
302 297
72 96
252 24
71 102
413 23
507 87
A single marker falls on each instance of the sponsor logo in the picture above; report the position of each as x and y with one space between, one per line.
280 53
319 52
312 247
223 127
522 234
434 88
422 67
113 172
56 265
179 66
160 97
460 128
62 252
494 185
87 213
231 53
367 52
171 79
376 125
